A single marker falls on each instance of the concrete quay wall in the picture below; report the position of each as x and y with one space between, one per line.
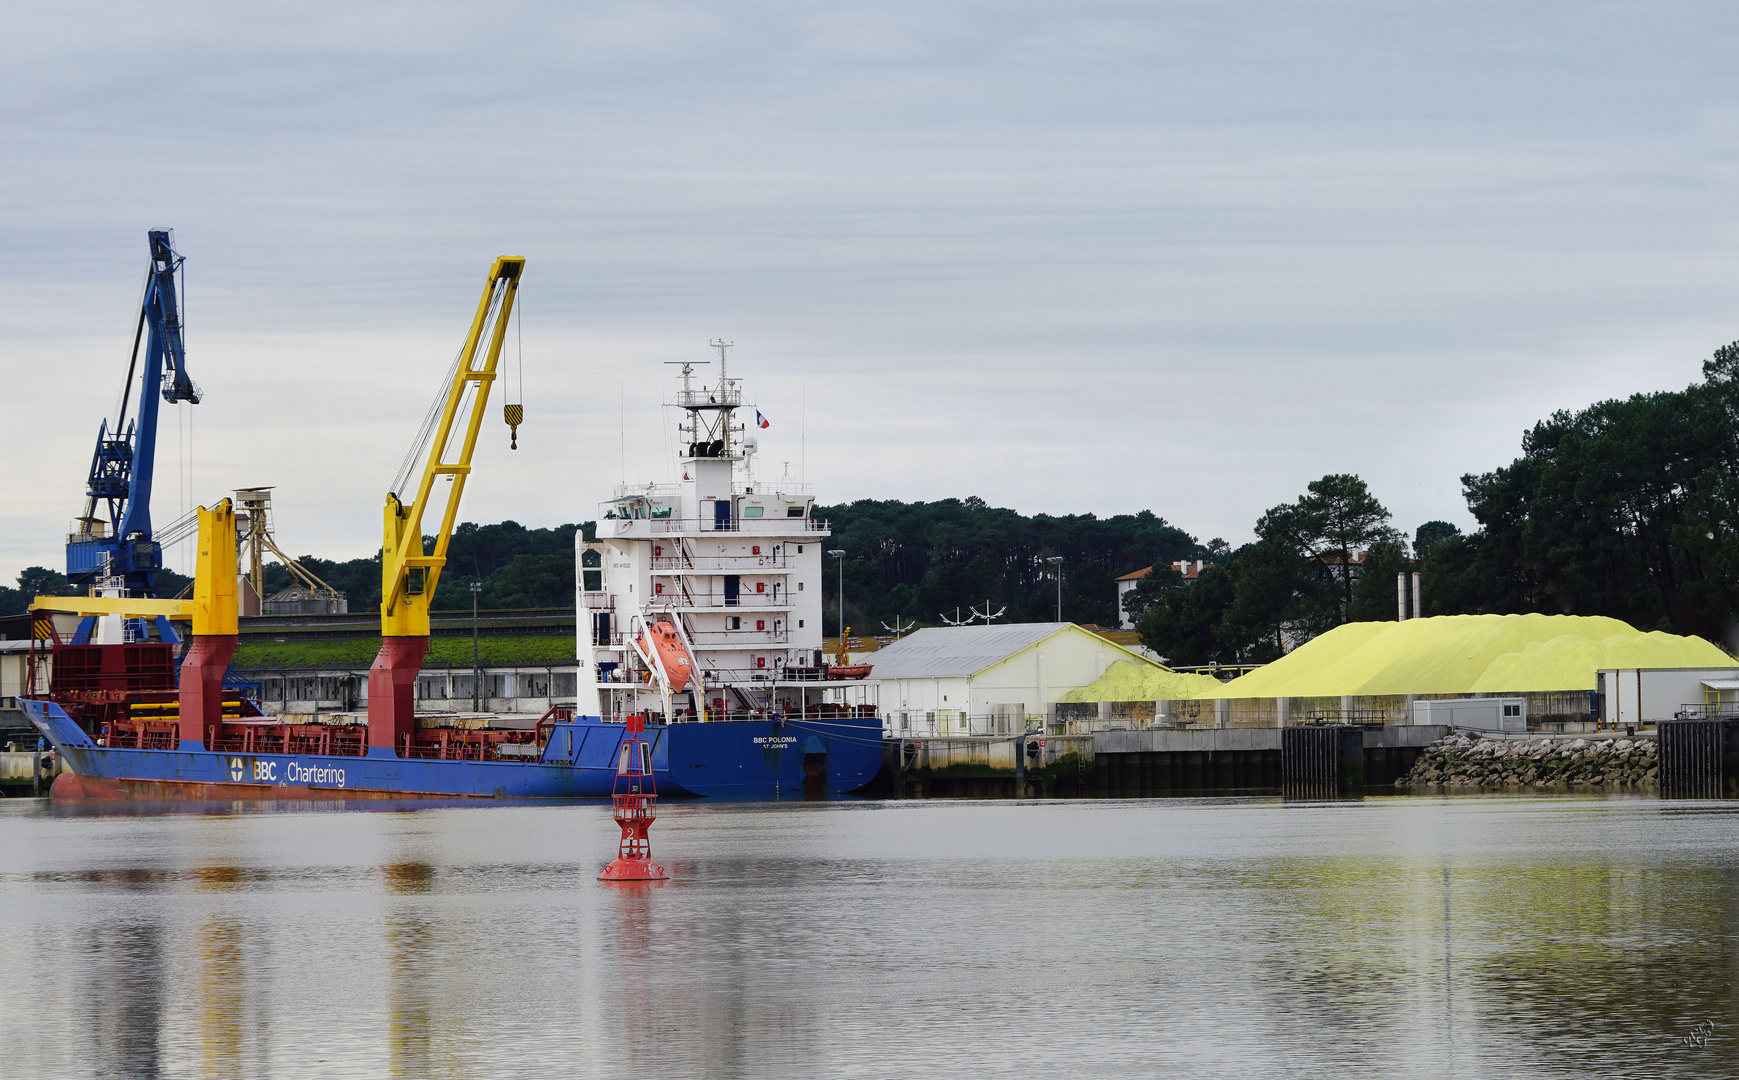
1127 763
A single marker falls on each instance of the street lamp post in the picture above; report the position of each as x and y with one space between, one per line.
476 666
1056 562
840 555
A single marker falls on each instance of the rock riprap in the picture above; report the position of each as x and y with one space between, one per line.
1464 761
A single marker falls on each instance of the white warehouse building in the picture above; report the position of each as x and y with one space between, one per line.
985 680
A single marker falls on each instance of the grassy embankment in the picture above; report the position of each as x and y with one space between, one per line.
444 652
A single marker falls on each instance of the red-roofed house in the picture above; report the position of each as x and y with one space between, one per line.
1188 569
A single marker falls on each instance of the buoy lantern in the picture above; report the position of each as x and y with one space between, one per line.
636 799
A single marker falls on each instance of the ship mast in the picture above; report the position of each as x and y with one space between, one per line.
724 395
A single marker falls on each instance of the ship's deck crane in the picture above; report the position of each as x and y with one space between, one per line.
408 572
120 550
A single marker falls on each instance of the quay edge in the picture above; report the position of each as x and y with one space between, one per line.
1135 763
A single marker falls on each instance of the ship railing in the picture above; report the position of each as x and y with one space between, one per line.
802 674
773 526
751 674
468 744
816 713
687 399
740 637
721 600
276 737
713 564
596 601
641 491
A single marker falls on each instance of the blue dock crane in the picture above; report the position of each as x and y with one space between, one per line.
121 546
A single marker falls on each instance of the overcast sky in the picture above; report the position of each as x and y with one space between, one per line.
1081 257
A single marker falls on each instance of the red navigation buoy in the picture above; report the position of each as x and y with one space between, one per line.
636 799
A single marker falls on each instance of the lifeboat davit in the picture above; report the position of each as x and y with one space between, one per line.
671 653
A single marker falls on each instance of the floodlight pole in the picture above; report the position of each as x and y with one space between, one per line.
476 666
840 555
1056 562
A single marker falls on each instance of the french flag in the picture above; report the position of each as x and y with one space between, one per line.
761 421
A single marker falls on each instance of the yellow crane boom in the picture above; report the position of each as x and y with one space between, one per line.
408 574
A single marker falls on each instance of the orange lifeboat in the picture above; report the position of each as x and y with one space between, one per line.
671 653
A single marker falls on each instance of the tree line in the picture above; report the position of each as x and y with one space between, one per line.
1628 509
518 567
928 563
1327 558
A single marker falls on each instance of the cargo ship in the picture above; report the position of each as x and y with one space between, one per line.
700 617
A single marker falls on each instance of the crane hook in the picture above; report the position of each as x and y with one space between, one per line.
515 416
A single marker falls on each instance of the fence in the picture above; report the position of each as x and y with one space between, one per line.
942 723
988 754
1694 756
1544 709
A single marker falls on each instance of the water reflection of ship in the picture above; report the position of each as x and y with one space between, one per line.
122 983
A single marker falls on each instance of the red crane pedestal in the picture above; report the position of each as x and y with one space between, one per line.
636 799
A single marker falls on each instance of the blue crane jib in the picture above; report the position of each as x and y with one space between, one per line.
121 545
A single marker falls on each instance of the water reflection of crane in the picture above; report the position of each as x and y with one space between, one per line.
411 946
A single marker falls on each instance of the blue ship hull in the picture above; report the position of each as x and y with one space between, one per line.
754 759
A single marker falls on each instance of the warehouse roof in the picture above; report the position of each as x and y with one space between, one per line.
1469 654
941 652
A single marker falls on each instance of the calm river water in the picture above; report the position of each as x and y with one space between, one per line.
1420 937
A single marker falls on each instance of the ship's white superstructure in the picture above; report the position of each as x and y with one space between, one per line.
733 563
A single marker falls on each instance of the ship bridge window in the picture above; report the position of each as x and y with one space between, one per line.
753 511
793 511
661 511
